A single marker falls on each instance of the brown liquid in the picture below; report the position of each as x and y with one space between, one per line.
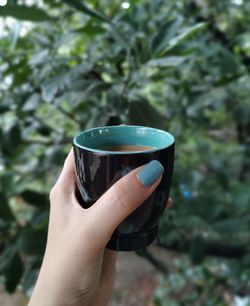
126 148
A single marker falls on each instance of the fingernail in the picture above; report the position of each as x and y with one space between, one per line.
150 173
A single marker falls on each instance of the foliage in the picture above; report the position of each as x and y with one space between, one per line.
193 285
178 65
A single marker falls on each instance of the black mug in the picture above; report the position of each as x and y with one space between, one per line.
98 167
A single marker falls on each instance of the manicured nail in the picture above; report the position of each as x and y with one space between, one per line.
150 173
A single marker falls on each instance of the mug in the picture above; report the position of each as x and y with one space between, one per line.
97 169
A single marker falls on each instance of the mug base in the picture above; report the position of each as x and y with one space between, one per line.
132 242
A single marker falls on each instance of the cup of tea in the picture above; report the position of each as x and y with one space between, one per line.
103 155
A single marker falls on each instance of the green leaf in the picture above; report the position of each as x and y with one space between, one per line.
166 33
190 223
91 28
7 184
15 134
39 57
142 113
13 273
6 256
228 63
40 219
82 7
168 61
157 301
5 210
21 76
11 139
43 130
23 12
33 241
67 79
141 252
30 274
230 227
52 86
215 97
99 117
53 3
114 120
118 36
183 36
35 198
55 155
4 108
32 103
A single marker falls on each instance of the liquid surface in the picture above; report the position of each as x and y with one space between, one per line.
126 148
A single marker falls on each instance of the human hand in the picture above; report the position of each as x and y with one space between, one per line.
77 269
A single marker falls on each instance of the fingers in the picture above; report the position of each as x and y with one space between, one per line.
108 263
123 198
107 278
66 181
109 259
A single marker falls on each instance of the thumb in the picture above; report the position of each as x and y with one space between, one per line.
123 198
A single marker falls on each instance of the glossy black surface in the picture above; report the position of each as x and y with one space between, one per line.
96 172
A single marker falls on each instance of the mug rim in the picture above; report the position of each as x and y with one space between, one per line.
104 152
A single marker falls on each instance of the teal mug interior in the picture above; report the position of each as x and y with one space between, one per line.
122 135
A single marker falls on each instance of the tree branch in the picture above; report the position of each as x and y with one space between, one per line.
216 249
69 115
127 81
159 265
46 143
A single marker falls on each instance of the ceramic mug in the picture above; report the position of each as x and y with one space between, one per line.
98 169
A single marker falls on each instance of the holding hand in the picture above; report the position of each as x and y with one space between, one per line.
77 269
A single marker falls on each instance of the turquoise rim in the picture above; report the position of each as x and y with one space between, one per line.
92 139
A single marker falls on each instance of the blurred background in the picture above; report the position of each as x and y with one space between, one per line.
182 66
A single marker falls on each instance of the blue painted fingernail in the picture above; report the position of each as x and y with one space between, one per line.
150 173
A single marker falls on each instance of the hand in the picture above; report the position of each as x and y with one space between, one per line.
77 269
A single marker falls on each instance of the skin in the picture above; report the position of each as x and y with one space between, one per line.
77 269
